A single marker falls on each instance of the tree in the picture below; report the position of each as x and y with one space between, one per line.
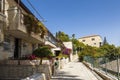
62 36
77 45
73 36
110 51
42 52
105 41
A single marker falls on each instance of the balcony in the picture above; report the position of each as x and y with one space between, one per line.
50 40
48 43
17 28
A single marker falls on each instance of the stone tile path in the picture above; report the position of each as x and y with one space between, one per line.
74 71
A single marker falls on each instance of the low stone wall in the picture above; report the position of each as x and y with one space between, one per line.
36 76
15 71
44 69
22 71
19 62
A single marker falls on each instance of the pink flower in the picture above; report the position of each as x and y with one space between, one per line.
66 51
31 57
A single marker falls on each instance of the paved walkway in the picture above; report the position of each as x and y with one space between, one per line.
74 71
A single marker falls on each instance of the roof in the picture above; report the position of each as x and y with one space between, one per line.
90 36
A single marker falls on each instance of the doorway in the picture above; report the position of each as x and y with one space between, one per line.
17 49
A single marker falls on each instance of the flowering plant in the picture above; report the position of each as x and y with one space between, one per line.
31 57
66 51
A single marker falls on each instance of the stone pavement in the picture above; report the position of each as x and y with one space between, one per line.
74 71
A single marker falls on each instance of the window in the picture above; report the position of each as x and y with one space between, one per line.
93 39
94 43
83 40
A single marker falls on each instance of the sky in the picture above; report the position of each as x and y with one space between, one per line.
80 17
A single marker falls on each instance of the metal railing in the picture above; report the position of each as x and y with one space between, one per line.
111 66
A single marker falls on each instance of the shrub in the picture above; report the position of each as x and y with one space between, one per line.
43 52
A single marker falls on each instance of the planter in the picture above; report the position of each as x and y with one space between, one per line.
29 62
23 62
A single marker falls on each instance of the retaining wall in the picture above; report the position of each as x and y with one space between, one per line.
15 71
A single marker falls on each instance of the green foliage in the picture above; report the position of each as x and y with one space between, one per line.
105 41
91 51
118 50
61 55
110 51
106 49
33 25
77 43
62 36
77 46
43 52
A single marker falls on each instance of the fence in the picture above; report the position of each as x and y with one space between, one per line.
109 64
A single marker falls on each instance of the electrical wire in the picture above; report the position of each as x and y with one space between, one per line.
36 11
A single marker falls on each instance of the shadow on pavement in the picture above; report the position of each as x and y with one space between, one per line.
65 79
67 75
63 76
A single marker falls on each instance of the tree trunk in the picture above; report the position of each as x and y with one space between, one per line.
41 61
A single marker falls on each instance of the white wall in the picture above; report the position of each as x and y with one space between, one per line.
70 46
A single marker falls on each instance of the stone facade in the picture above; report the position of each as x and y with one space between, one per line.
93 40
15 42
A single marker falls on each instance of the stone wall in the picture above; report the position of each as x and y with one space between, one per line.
36 76
15 71
7 47
23 71
46 70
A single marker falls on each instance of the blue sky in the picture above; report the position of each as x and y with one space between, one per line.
81 17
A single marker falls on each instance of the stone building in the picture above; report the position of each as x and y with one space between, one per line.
15 41
92 40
